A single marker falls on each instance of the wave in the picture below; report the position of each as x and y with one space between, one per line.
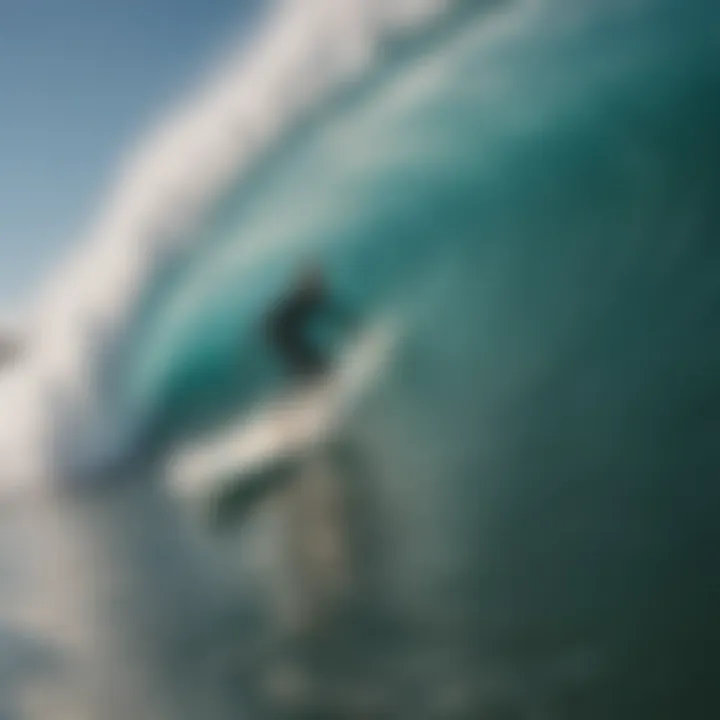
397 141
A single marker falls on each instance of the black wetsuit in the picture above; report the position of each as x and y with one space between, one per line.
290 332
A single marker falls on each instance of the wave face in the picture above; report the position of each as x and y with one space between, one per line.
494 172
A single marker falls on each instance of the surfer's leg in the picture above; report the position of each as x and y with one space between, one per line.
301 360
309 362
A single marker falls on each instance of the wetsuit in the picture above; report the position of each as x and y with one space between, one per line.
290 331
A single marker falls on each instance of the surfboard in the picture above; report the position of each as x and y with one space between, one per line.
254 454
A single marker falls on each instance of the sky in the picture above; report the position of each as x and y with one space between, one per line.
80 81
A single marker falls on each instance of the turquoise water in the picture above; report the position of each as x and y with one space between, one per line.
535 191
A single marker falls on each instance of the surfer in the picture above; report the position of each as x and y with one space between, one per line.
295 322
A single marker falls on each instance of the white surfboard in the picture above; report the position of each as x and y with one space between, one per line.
283 430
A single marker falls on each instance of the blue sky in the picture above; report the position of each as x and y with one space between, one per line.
80 80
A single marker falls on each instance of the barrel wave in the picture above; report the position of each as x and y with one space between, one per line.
530 190
450 151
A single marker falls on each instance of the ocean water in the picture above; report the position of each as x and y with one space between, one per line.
530 489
